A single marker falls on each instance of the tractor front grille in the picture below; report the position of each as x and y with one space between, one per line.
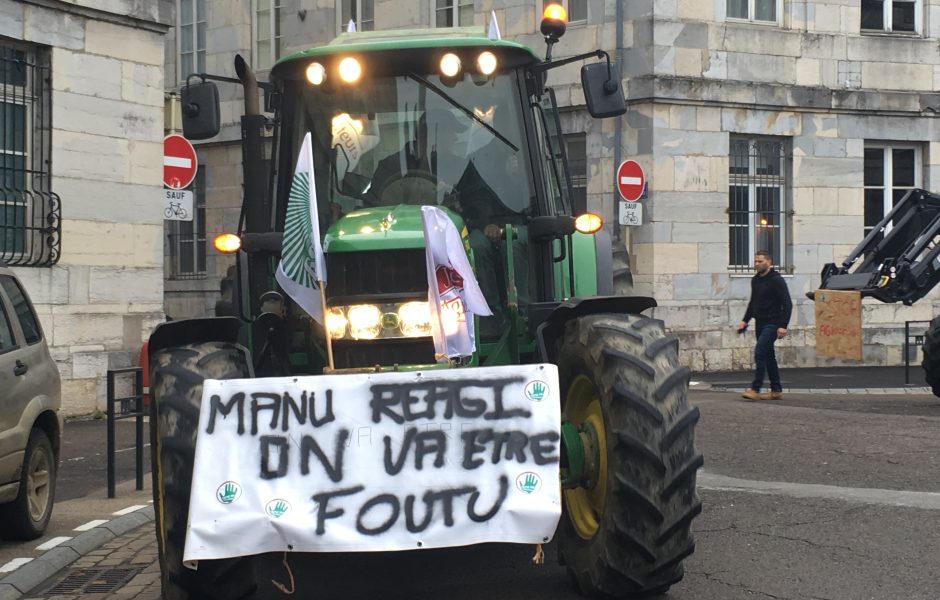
366 276
353 354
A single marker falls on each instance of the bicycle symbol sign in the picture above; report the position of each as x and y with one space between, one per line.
631 213
177 205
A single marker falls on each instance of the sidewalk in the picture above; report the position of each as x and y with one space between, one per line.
116 560
124 568
824 380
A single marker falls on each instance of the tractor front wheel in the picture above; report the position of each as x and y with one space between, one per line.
176 390
629 504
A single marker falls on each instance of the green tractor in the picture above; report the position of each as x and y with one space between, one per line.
470 126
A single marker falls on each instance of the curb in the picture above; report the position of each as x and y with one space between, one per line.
833 391
35 572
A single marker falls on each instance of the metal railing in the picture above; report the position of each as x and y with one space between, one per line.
910 341
138 413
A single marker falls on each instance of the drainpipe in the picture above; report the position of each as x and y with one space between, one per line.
618 129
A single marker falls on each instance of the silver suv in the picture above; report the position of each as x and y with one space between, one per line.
30 423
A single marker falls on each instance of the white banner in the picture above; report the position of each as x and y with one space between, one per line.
376 462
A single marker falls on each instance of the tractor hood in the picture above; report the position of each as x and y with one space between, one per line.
381 228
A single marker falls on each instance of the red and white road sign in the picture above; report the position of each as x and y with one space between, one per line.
630 180
179 162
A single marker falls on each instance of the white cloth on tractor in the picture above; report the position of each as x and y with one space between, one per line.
454 295
302 269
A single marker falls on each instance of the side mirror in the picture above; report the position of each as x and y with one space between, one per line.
602 90
200 108
545 228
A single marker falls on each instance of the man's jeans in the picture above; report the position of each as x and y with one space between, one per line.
765 359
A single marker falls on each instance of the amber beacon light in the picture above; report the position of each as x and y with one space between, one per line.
588 223
227 243
554 21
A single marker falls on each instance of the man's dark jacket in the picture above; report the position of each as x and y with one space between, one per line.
770 300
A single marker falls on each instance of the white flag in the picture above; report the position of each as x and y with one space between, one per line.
493 32
301 271
454 295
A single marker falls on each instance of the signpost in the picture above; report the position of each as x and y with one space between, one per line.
179 170
177 205
631 213
631 180
179 162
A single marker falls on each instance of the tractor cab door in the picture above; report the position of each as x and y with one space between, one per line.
562 279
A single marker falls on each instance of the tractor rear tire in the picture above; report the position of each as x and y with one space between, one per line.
176 387
625 533
931 362
623 275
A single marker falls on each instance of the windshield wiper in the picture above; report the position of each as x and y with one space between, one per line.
463 109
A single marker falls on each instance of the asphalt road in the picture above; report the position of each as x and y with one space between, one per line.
829 497
840 531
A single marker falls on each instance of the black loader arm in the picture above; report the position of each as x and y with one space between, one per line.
899 260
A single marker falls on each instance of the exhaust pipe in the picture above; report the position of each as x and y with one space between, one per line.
249 83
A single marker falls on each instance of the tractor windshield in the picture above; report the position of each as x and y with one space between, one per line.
421 140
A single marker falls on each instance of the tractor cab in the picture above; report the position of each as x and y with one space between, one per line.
399 120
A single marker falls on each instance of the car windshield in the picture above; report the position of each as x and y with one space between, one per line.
420 140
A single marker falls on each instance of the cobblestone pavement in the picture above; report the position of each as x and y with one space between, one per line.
133 554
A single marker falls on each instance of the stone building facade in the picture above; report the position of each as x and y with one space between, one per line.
82 92
783 125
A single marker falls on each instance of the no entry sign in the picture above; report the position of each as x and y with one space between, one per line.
630 180
179 162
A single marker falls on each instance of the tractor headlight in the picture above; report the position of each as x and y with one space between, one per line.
336 322
415 319
365 321
486 62
382 321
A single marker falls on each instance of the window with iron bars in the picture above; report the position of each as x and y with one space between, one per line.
758 218
30 212
187 239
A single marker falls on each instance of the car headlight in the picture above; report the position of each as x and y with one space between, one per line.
336 322
365 321
415 319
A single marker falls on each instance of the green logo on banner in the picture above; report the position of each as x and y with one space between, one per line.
277 508
228 492
528 482
536 391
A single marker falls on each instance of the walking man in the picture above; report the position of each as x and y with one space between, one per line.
770 306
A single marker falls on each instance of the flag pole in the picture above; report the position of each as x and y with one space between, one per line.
326 330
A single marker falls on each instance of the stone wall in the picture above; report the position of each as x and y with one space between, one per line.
694 78
105 295
816 82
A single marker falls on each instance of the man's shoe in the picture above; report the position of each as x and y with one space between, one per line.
772 396
750 394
